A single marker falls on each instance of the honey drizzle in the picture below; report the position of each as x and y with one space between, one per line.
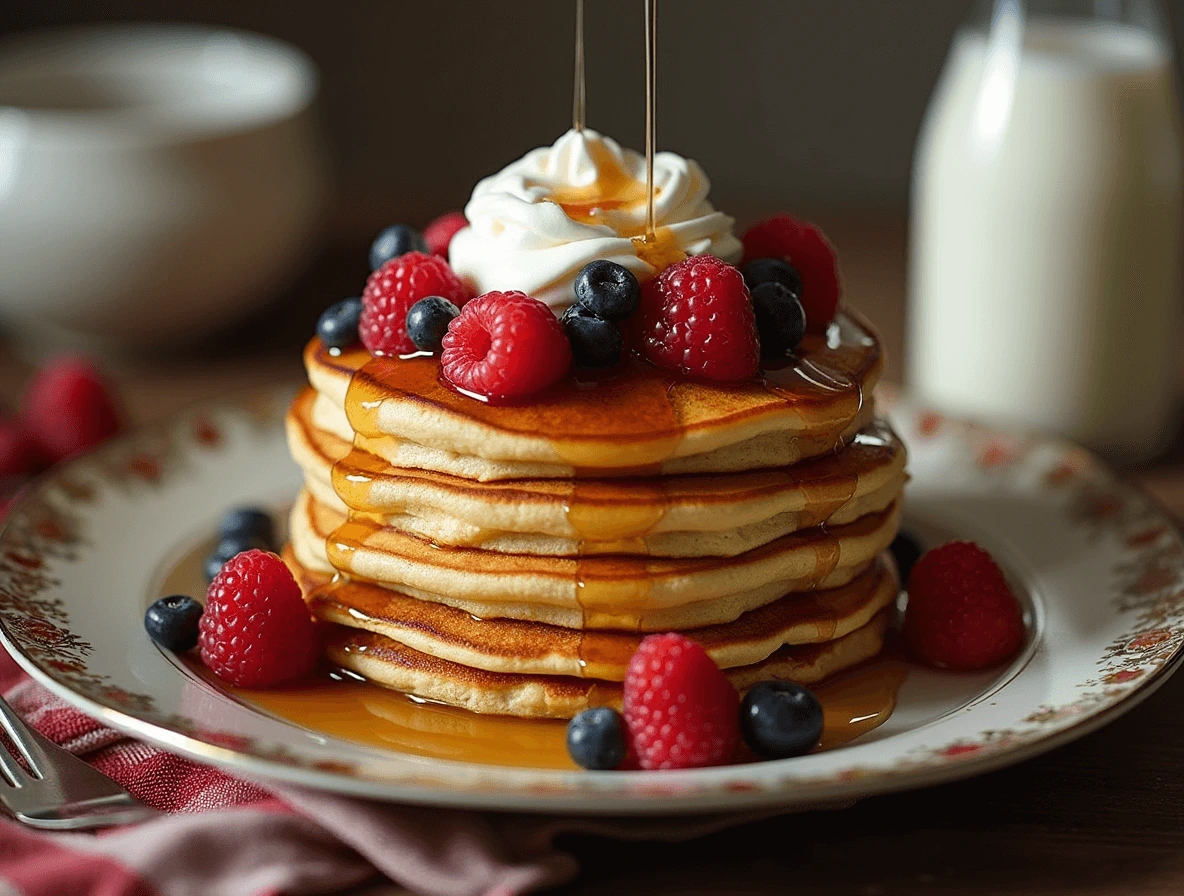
579 103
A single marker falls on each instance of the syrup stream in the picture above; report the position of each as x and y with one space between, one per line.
579 101
651 77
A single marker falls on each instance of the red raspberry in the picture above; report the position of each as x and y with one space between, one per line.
696 317
805 247
20 455
438 235
256 631
961 614
505 345
68 409
681 710
393 289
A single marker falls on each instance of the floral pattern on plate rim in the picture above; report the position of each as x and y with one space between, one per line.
47 529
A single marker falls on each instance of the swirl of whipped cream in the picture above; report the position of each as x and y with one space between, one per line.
538 221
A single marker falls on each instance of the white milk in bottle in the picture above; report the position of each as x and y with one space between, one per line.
1046 230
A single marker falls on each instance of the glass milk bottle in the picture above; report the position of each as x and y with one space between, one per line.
1046 225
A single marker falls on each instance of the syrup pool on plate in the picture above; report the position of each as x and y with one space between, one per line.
341 704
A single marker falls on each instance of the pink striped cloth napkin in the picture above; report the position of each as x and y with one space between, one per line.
222 836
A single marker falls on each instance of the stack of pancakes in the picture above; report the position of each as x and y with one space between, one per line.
509 559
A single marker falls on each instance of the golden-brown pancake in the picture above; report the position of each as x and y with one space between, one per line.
672 516
393 665
635 421
500 645
633 593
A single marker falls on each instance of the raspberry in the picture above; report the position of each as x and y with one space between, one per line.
961 613
681 710
806 248
393 289
68 409
438 235
256 631
505 345
696 317
20 455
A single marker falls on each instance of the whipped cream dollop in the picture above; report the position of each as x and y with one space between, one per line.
538 221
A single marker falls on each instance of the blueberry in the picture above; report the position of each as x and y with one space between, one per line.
172 622
772 270
427 322
595 342
246 523
596 739
338 326
608 290
906 550
780 719
780 319
398 239
231 547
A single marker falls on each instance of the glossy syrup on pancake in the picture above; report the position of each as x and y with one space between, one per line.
622 513
540 648
627 421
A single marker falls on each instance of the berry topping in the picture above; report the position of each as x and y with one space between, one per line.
608 290
696 318
961 613
256 631
595 342
396 240
248 522
806 248
428 320
172 622
780 719
505 345
772 270
231 547
906 551
779 319
19 452
680 709
338 326
438 235
68 409
596 739
393 289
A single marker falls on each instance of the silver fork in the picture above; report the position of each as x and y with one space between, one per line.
60 792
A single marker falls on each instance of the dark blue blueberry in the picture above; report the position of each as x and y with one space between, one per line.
608 290
172 622
780 319
231 547
338 326
772 270
596 739
595 342
398 239
427 322
906 550
780 719
245 523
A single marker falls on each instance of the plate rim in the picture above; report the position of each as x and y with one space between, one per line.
715 796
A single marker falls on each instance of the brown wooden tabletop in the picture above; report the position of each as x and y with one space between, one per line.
1104 815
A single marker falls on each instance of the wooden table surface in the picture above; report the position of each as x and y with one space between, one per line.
1104 815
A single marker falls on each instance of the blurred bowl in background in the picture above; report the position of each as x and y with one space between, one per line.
156 182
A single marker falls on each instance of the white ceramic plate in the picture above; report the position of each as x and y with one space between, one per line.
1099 566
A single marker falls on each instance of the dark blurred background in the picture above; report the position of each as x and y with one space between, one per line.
786 103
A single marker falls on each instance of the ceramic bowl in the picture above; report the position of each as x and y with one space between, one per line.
155 182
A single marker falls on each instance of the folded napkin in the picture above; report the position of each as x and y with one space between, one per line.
223 835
